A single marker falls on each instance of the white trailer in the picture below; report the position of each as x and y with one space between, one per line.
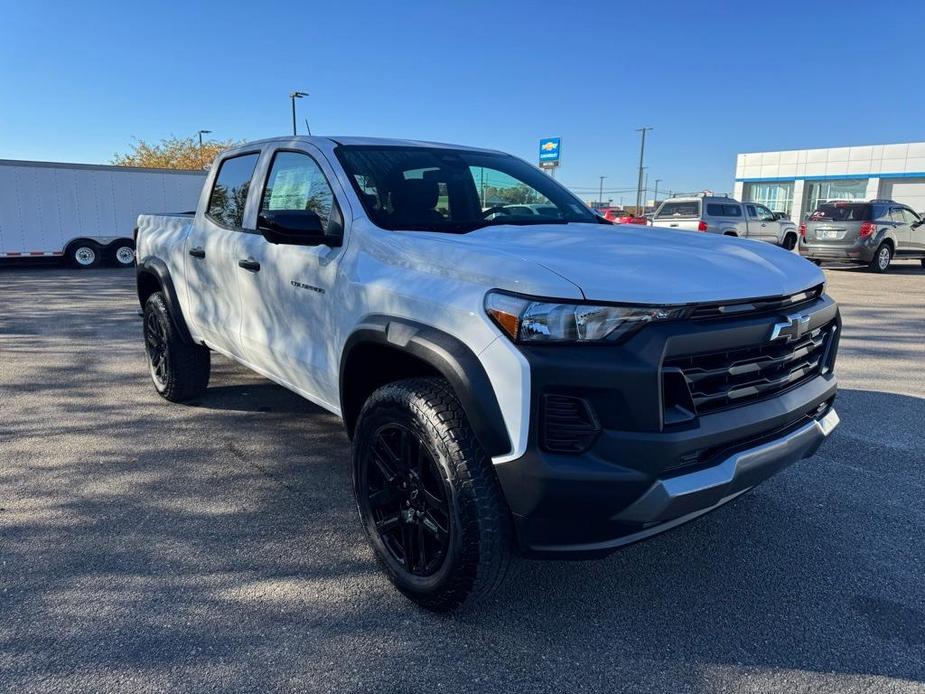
84 212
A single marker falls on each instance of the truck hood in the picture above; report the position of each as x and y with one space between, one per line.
648 265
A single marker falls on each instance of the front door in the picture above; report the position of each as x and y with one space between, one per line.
287 303
762 224
211 260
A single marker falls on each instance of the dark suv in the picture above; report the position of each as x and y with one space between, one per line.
869 233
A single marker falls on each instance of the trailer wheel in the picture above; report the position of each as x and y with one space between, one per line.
122 253
84 254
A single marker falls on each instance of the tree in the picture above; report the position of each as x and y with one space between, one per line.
173 153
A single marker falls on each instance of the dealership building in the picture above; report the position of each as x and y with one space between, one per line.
796 181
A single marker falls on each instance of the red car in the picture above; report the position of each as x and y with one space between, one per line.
618 216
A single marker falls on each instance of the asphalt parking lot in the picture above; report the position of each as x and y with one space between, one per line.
146 546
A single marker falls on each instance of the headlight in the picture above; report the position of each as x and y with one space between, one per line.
536 320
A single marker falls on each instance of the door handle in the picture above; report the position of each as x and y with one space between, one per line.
197 252
249 264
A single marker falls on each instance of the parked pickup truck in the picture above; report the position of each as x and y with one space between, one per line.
729 217
544 383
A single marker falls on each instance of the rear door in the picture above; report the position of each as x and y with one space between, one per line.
902 227
917 233
212 250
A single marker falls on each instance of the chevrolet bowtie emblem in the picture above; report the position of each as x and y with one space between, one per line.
791 329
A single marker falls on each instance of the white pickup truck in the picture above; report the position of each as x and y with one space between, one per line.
728 217
549 384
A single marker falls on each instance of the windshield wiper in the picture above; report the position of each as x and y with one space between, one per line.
519 221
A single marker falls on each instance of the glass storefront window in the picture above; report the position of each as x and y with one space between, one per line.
821 191
778 197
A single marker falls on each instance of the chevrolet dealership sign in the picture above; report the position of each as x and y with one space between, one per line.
549 151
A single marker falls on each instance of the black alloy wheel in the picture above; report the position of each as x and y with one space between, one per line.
156 346
408 499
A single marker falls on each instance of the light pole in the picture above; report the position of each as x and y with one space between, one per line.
655 195
600 195
642 153
201 133
293 96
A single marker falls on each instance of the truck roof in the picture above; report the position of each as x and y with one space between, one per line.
329 140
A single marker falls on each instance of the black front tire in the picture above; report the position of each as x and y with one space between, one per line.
473 557
179 369
880 263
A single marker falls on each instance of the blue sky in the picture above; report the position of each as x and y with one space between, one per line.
79 80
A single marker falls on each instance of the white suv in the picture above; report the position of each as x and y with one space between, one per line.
546 383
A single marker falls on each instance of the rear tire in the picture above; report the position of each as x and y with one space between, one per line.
790 242
880 263
179 369
428 497
122 253
84 255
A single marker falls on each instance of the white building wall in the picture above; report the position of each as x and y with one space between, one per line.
896 171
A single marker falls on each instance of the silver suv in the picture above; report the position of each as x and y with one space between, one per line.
868 233
724 215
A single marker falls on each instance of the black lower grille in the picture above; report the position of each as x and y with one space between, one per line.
569 424
723 379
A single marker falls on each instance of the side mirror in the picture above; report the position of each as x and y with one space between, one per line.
292 227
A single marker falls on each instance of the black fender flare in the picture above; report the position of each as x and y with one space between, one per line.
451 358
153 267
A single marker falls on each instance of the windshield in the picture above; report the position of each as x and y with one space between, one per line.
451 190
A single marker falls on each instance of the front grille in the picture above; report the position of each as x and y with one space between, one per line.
569 424
730 378
755 307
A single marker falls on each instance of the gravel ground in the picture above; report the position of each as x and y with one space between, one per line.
146 546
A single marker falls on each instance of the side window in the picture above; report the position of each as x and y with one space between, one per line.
752 212
229 193
764 214
898 215
296 182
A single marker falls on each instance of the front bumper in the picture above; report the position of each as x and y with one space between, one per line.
687 495
641 475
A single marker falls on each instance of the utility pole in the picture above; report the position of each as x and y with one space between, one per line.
600 195
201 133
293 96
655 195
645 189
642 153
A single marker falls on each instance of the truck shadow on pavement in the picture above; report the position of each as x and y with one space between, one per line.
145 545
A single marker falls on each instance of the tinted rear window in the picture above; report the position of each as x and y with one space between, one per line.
842 212
680 209
229 194
715 209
